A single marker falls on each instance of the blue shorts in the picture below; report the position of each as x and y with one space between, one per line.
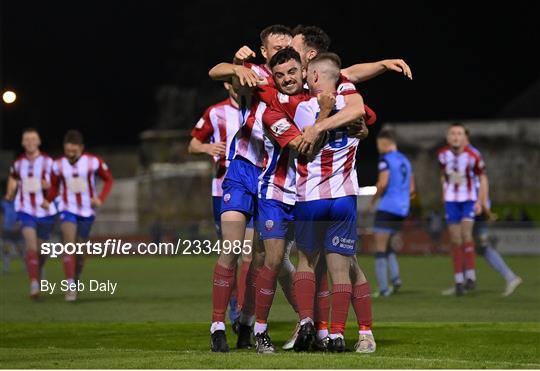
386 222
328 224
274 219
458 211
240 187
43 225
216 204
84 223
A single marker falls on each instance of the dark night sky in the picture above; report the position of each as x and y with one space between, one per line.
97 65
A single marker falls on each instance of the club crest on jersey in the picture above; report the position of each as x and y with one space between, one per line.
269 224
335 240
226 197
280 126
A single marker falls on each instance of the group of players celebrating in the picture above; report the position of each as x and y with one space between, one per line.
285 145
44 190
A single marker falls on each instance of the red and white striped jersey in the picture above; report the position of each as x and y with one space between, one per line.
249 139
75 183
331 174
30 193
459 171
220 123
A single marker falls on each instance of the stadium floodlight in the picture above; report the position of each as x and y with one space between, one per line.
9 97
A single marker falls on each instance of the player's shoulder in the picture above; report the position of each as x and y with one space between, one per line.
473 151
345 85
91 156
46 156
444 149
19 159
259 69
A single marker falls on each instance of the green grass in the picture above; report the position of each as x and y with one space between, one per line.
159 318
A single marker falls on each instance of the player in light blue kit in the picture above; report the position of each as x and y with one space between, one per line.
395 187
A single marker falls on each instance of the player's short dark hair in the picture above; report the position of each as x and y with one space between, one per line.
459 125
275 29
328 56
283 56
74 137
388 134
314 37
30 130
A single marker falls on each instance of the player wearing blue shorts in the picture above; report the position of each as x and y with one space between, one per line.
395 185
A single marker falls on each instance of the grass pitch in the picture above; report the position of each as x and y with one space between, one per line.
159 318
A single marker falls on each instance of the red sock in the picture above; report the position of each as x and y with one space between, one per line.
32 264
242 282
322 302
265 291
341 299
69 266
288 290
469 255
304 286
223 282
361 301
457 255
248 306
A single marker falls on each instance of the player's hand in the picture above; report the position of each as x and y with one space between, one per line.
326 101
216 149
309 137
477 208
358 129
45 184
246 76
95 202
45 205
243 54
397 65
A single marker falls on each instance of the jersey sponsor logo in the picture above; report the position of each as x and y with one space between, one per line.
200 124
31 184
269 224
280 126
76 185
226 197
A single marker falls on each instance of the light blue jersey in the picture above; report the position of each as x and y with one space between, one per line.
396 197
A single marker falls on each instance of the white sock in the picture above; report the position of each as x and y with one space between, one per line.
321 334
365 332
260 328
217 326
470 274
335 336
458 277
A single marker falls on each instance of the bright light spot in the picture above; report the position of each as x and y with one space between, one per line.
9 97
368 191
